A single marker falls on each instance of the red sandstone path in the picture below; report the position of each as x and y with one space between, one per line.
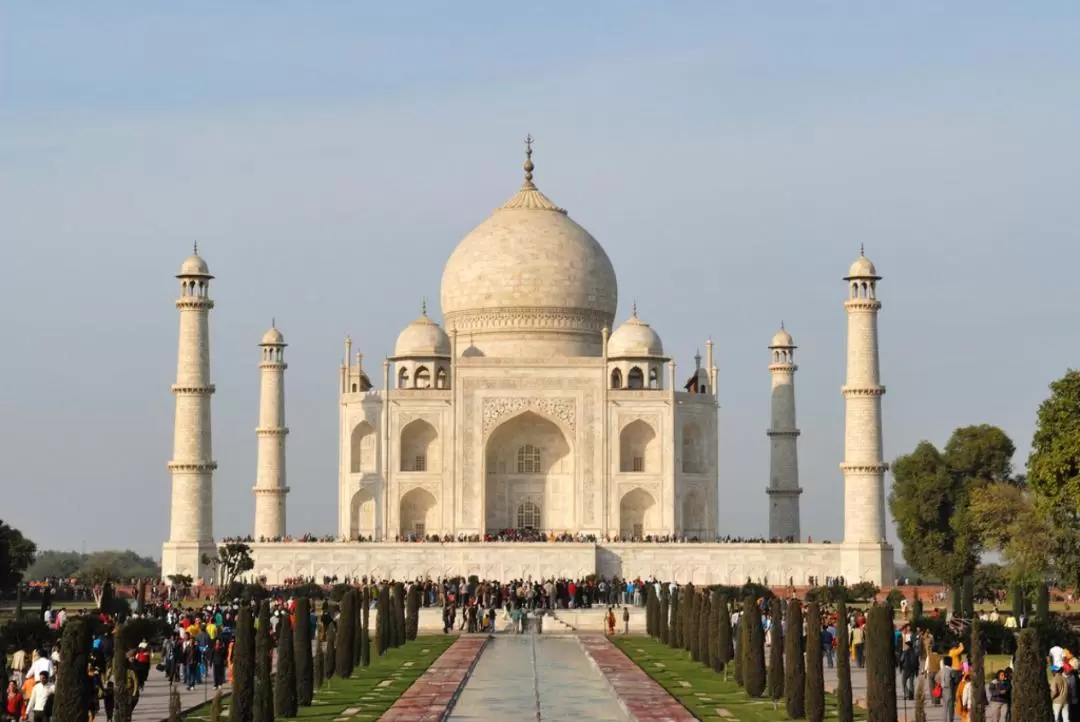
639 695
430 697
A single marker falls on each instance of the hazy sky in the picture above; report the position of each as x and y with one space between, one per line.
328 156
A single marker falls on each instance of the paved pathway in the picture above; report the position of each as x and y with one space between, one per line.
905 708
639 695
431 696
154 701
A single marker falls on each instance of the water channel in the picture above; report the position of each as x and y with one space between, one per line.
530 677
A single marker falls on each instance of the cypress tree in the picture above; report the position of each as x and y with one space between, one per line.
383 610
1030 690
916 608
740 648
815 672
70 701
343 665
365 639
693 631
845 711
776 651
673 633
665 604
305 677
725 647
880 666
263 704
649 612
175 708
412 613
330 658
754 661
714 630
1019 600
122 699
795 684
978 673
686 629
320 664
399 614
242 704
215 707
967 597
285 691
704 639
920 701
357 628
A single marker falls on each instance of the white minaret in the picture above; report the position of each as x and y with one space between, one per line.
863 467
783 436
270 489
191 534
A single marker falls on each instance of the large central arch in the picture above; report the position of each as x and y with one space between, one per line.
529 471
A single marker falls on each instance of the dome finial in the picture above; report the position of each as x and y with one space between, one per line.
528 162
423 305
273 322
862 249
196 249
781 324
634 314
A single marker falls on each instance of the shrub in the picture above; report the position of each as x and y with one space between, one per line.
796 664
26 633
895 598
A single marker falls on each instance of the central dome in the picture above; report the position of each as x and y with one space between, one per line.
530 282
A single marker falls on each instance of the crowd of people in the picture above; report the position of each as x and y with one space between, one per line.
517 535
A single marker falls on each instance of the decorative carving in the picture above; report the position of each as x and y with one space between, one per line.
498 408
528 317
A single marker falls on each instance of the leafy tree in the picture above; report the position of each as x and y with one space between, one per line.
754 661
232 560
776 651
1008 518
931 494
845 711
863 591
121 564
346 637
263 704
988 580
305 676
16 555
52 563
664 609
285 691
880 666
815 674
796 664
978 672
70 703
724 643
1030 690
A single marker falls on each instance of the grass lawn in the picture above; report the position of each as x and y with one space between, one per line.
365 695
707 690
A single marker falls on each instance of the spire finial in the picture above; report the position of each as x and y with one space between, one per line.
862 249
423 305
528 161
273 322
781 324
196 251
634 314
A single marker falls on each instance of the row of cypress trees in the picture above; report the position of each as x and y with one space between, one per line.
699 621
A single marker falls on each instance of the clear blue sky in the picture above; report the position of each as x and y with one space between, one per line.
328 156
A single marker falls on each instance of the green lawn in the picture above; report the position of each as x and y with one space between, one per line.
707 690
362 692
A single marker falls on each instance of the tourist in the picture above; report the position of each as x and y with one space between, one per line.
858 646
13 702
39 705
1059 695
626 620
947 685
1000 692
109 699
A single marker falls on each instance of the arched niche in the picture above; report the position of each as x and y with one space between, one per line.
362 514
637 513
419 447
362 449
417 513
528 458
693 449
639 450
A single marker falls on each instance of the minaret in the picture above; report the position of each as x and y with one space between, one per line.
270 489
191 534
783 436
863 467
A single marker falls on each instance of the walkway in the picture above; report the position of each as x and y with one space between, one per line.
905 708
154 701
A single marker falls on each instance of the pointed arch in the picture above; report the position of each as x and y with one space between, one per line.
422 378
616 379
637 513
693 449
362 449
635 379
362 514
419 448
403 378
693 514
417 513
638 448
441 378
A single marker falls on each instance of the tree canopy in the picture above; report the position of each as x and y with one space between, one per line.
931 498
115 564
16 554
232 560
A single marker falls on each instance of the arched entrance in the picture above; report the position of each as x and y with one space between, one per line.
417 517
530 476
636 513
362 515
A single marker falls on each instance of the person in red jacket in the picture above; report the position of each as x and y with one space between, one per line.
13 702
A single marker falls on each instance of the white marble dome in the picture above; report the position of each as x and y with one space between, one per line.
862 268
634 338
529 281
422 338
782 339
273 337
194 266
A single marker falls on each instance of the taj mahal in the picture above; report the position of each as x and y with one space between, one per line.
531 408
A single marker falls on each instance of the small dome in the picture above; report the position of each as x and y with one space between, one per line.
862 268
422 337
635 338
194 266
273 337
782 339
